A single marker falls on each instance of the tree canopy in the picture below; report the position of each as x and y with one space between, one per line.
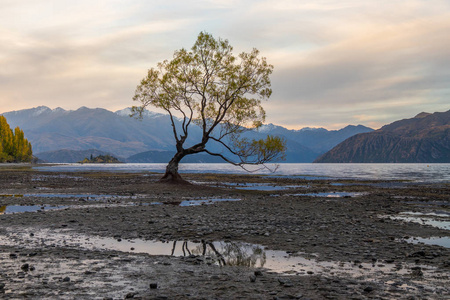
14 147
218 91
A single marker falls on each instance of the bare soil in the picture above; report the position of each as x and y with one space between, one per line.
356 231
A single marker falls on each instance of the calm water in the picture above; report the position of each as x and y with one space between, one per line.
415 172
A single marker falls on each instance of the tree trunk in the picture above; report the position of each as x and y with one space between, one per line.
172 175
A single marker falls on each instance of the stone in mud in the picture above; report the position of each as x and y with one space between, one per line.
12 255
252 278
66 279
2 286
130 295
258 273
25 267
368 289
416 272
153 285
285 282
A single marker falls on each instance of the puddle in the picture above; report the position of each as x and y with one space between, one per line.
439 241
252 186
443 214
220 253
331 194
305 177
267 187
93 197
12 209
84 196
195 202
436 219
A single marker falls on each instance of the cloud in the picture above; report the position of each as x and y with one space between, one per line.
335 61
374 69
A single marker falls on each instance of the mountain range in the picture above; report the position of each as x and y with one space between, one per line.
422 139
59 135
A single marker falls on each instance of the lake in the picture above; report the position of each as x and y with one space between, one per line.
414 172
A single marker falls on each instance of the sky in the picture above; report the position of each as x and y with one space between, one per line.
367 62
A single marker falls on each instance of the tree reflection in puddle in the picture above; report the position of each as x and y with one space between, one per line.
223 253
229 253
219 253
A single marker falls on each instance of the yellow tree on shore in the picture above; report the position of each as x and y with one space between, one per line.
14 147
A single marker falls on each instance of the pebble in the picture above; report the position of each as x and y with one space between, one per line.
25 267
368 289
130 295
153 285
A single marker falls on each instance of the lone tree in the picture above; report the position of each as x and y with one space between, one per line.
221 93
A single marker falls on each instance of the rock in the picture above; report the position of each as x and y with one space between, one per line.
285 282
252 278
418 254
12 255
368 289
66 279
130 295
25 267
2 286
416 272
153 285
258 273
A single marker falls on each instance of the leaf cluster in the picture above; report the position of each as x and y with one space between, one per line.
14 147
210 87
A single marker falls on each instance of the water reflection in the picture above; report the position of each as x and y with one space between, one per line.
195 202
331 194
436 219
220 253
230 253
439 241
12 209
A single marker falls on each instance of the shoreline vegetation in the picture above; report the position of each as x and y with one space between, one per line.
14 147
85 235
100 159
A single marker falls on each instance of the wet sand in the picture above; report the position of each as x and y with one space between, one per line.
88 236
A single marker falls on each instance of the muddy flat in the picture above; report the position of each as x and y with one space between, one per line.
106 235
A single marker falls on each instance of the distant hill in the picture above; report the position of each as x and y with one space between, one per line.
422 139
115 133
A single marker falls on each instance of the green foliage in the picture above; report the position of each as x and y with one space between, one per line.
216 90
14 147
100 159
